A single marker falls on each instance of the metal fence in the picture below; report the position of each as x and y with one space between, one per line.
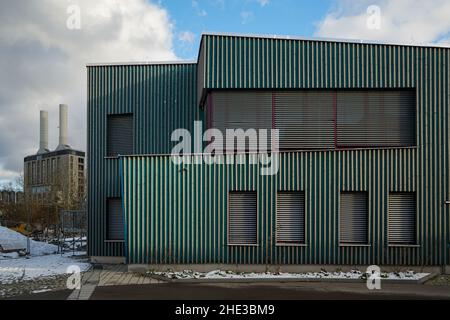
73 230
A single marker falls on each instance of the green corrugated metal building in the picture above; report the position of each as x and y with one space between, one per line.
364 159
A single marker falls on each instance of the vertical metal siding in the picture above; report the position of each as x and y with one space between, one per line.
188 207
200 83
180 215
162 98
283 63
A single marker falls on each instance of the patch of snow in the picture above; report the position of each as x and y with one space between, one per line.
76 239
29 268
41 291
339 275
11 255
77 243
12 240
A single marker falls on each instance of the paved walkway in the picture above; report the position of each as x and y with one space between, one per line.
110 275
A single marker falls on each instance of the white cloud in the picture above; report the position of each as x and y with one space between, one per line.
246 17
263 3
7 176
411 21
200 12
43 63
187 37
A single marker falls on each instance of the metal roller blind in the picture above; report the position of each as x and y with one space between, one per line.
242 218
402 218
291 217
376 118
305 119
115 219
353 218
241 110
120 135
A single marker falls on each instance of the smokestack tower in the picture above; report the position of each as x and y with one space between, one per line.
43 133
63 140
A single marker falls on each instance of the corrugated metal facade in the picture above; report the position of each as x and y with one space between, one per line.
162 98
176 215
179 215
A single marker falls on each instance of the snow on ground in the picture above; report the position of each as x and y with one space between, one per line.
29 268
12 240
42 262
78 243
354 275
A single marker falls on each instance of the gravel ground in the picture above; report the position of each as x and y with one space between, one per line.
441 280
36 285
33 286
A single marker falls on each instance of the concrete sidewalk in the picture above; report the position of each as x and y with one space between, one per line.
108 275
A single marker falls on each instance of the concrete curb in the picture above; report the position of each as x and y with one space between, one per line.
428 278
271 280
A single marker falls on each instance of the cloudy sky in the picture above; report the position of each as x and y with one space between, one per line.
45 45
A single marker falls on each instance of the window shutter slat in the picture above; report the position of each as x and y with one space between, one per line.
321 119
402 218
353 217
115 219
120 135
242 110
242 218
305 119
291 217
375 118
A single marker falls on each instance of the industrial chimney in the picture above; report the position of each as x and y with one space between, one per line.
43 133
63 141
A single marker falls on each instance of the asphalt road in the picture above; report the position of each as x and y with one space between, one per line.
262 291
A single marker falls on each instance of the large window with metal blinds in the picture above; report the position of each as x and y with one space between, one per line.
320 119
115 219
290 217
375 118
120 140
353 218
242 218
402 218
240 110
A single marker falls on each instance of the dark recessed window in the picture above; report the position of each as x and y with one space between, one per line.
353 218
320 119
291 217
120 140
305 119
402 218
246 110
242 218
115 219
377 118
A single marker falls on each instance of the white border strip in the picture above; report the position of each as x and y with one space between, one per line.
138 63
